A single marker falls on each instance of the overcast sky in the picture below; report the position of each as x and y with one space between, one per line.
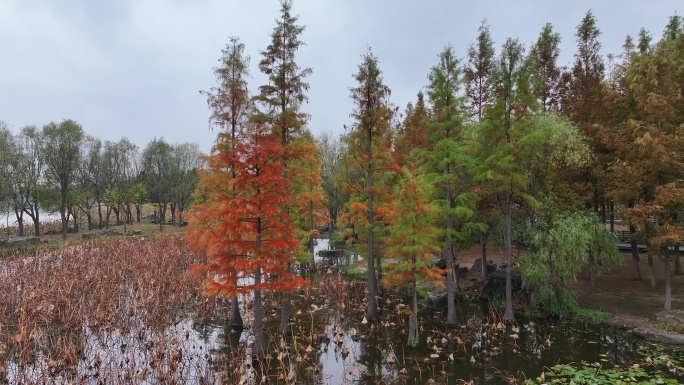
133 68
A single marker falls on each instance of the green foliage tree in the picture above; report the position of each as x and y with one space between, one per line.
370 160
500 166
562 245
448 163
7 153
62 156
29 181
478 72
332 151
157 168
545 71
411 242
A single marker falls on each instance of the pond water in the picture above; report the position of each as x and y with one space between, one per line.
330 343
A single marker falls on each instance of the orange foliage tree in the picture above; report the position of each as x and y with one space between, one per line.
245 235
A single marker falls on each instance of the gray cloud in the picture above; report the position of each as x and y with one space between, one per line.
134 68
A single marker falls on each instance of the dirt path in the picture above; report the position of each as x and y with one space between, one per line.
632 303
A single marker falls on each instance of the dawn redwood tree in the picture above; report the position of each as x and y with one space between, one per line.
282 98
370 160
545 71
411 242
308 201
62 156
584 106
245 235
448 162
230 105
478 71
500 167
413 134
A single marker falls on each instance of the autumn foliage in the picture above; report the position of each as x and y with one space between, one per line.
241 225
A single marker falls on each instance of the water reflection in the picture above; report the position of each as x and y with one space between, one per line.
329 344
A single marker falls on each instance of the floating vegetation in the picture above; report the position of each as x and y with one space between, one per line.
128 312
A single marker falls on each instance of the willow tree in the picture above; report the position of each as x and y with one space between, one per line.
562 246
62 153
370 158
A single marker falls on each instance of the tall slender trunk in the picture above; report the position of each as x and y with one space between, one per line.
651 272
677 262
483 245
668 286
36 223
448 245
75 216
508 314
235 318
99 214
258 326
65 222
372 284
635 252
20 220
413 318
634 247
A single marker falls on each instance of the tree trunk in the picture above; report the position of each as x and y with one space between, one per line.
413 318
65 223
108 215
286 310
99 214
161 218
451 320
235 319
258 326
668 287
592 278
635 258
651 272
137 212
20 220
36 223
75 221
508 313
677 263
483 245
372 284
634 247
